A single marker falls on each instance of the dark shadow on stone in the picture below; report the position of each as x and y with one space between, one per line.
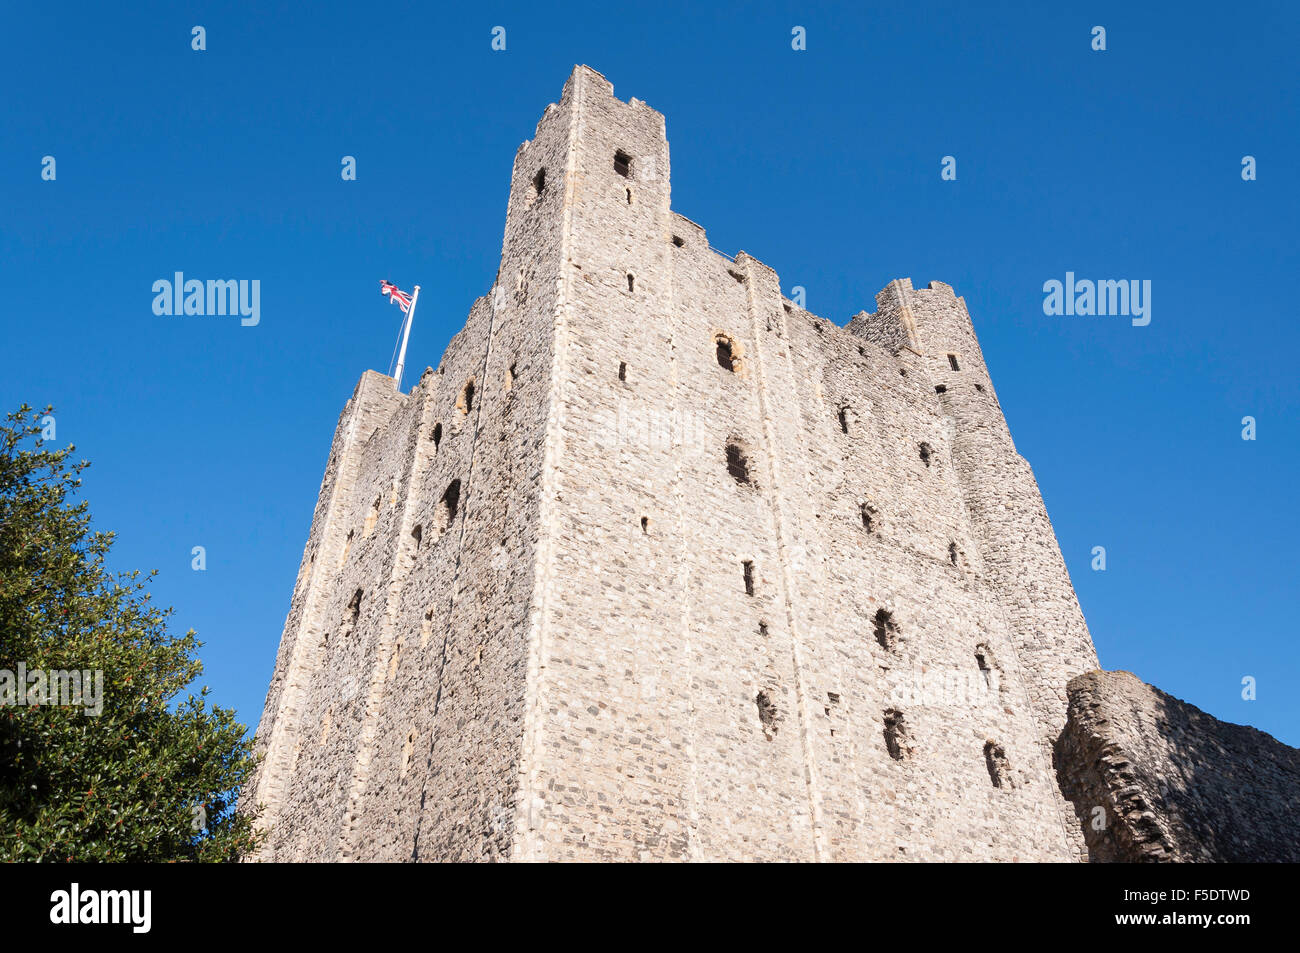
1152 778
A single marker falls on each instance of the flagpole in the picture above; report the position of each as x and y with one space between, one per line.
406 333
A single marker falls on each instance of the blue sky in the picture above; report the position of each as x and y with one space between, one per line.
824 164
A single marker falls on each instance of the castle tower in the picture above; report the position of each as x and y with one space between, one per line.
1022 563
658 565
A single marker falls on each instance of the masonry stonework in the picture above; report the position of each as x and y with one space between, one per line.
657 565
1156 779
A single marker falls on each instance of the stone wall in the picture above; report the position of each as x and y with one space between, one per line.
727 581
1153 778
403 737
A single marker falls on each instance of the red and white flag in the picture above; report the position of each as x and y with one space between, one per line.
399 298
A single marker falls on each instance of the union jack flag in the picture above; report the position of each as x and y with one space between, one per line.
399 298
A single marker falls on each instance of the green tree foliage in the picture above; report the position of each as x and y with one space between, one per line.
146 779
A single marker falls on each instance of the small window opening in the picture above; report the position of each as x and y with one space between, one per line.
725 358
952 362
980 388
983 659
896 735
995 759
623 163
354 609
902 371
940 389
737 465
767 714
622 370
631 282
952 553
868 517
844 420
452 499
467 397
886 629
437 435
645 524
747 568
678 241
762 629
448 506
417 534
539 182
629 196
925 453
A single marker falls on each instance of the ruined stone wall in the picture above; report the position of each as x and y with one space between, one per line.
727 582
1153 778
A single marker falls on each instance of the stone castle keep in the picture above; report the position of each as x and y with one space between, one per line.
657 565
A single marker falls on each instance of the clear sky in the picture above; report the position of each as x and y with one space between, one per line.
823 163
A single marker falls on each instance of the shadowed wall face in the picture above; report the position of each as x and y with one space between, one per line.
1153 778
